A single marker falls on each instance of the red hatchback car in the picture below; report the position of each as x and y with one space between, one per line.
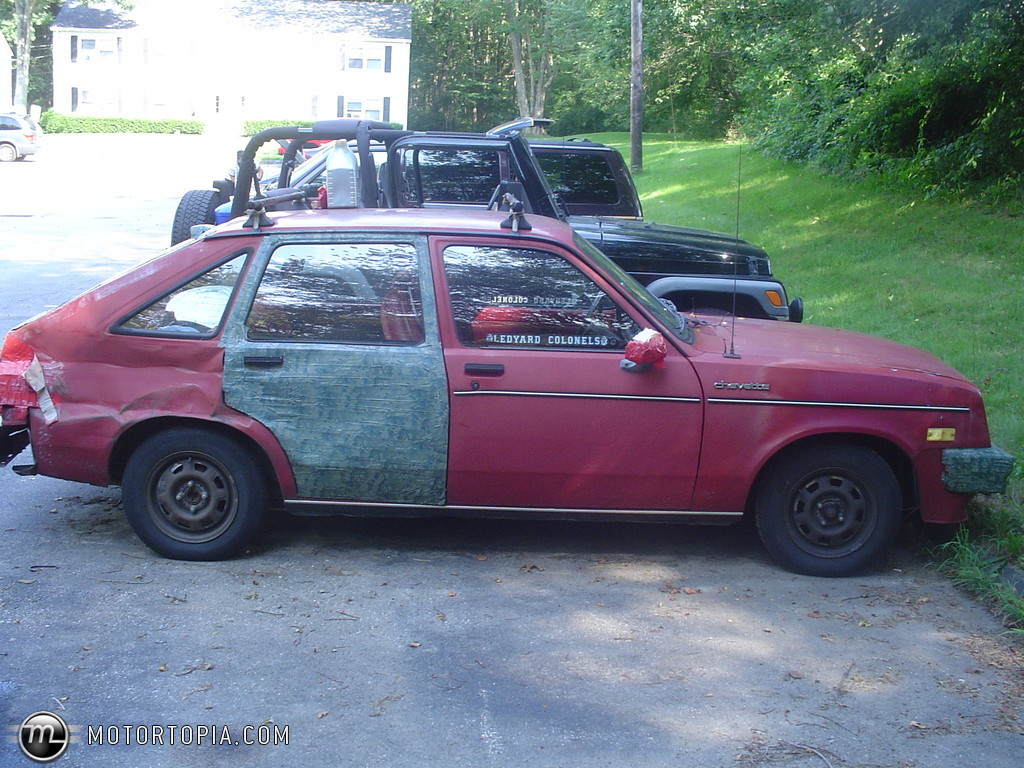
444 362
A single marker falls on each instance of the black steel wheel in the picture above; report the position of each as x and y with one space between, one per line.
196 206
828 511
191 494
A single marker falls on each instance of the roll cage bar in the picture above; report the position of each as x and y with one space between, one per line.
366 133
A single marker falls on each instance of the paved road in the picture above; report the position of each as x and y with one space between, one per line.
444 642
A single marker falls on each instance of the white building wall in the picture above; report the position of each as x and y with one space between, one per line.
170 67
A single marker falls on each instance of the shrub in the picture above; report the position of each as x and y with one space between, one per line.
53 122
252 127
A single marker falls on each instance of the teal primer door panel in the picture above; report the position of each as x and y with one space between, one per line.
337 353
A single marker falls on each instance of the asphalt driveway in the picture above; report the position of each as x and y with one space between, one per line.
447 642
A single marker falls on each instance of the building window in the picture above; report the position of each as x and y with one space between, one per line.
378 59
74 49
363 109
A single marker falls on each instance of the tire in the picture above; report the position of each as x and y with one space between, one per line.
196 207
191 494
8 154
828 510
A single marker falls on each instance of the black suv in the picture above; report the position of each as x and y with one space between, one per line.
581 182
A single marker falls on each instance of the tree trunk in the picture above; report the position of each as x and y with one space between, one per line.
518 67
532 58
23 10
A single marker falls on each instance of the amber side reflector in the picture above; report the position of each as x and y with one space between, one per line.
774 298
941 435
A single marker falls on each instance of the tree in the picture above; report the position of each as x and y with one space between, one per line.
532 40
24 12
460 66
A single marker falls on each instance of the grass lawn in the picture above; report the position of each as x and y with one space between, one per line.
941 276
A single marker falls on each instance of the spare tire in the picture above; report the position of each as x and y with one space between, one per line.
196 207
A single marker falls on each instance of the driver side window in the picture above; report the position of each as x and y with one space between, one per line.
523 297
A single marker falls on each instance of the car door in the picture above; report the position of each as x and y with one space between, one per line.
542 417
335 349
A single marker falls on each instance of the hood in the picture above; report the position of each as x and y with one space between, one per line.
764 344
655 248
842 373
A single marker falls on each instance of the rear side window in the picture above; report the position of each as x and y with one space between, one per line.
355 293
193 309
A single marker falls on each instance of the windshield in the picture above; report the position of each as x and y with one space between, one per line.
662 310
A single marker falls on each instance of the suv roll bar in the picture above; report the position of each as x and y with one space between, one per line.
344 129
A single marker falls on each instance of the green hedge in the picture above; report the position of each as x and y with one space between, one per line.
252 127
52 122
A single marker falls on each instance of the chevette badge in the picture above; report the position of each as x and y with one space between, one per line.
750 385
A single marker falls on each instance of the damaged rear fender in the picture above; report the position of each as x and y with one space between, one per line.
250 434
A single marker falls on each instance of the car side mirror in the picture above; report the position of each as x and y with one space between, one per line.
796 310
646 351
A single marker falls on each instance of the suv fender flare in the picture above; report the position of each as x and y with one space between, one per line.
752 292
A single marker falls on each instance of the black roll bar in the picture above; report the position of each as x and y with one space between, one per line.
346 129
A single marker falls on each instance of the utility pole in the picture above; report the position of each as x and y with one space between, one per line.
636 86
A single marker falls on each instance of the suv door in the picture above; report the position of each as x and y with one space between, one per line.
590 179
542 417
438 171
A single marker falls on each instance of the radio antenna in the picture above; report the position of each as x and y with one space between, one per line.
735 260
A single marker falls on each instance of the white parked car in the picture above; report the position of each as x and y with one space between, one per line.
19 137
